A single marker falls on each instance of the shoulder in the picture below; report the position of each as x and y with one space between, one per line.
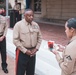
72 44
35 24
18 24
71 48
2 17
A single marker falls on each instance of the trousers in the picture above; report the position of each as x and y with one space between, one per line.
24 63
3 53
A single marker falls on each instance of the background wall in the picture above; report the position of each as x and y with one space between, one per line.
53 9
61 9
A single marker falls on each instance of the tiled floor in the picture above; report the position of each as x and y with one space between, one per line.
11 66
54 32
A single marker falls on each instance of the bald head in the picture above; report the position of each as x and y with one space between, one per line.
27 11
29 15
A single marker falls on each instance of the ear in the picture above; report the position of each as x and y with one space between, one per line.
72 29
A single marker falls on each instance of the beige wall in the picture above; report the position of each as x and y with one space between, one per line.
57 9
61 9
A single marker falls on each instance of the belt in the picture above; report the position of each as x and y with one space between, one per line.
30 48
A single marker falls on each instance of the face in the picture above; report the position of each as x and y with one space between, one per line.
29 16
69 32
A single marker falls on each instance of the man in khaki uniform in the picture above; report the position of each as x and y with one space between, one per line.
27 38
3 31
68 62
17 9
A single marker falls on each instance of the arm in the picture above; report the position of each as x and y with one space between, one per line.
16 38
39 39
66 63
61 48
6 27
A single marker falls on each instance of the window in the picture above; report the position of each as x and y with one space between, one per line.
37 5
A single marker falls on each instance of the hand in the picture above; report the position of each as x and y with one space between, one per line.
28 52
34 52
1 38
61 48
55 52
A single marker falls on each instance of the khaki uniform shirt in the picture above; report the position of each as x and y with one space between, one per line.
68 62
17 7
3 25
26 35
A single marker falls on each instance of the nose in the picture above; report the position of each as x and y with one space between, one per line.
31 17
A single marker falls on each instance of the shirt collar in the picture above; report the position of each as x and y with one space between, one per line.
27 22
73 38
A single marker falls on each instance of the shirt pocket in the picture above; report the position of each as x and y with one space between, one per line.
35 32
24 34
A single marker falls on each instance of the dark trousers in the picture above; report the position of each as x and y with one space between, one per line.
3 53
24 64
17 16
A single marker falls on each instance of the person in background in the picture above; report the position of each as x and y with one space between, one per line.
17 9
3 32
68 61
27 39
2 11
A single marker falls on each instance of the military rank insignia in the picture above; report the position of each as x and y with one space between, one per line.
69 57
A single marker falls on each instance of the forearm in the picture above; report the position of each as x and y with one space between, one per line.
39 40
19 46
59 59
